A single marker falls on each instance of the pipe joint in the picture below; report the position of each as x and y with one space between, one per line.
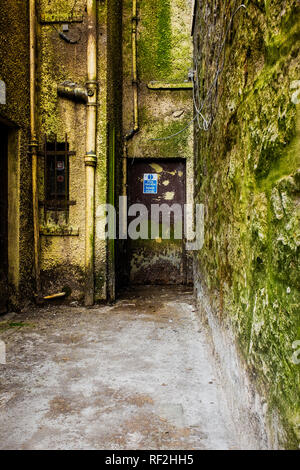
91 85
33 144
90 160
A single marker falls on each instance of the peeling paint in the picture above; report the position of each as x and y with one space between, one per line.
169 196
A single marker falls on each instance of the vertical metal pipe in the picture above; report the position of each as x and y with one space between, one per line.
134 67
45 177
135 128
66 176
90 157
33 143
55 176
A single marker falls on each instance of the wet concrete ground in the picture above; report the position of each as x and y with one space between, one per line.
135 375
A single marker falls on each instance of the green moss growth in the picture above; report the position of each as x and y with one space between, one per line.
249 182
164 138
7 325
163 45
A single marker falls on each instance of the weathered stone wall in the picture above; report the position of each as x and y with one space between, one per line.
14 71
247 176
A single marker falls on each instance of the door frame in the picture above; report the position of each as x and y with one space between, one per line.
13 231
160 160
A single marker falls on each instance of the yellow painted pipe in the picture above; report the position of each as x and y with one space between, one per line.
33 143
55 296
134 67
135 93
90 157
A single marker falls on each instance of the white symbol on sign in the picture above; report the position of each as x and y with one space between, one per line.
150 183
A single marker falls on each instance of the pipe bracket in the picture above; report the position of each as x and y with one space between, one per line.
33 143
90 160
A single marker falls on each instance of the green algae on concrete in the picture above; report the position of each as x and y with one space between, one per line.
14 71
164 57
248 178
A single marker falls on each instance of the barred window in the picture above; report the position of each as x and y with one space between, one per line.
56 175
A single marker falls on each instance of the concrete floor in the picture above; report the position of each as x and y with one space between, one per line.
135 375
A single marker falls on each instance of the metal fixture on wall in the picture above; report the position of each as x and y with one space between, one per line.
72 91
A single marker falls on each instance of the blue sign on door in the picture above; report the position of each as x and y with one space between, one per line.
150 183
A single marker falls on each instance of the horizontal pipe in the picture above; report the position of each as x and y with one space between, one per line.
55 296
72 91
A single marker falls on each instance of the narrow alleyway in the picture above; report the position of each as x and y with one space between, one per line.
134 375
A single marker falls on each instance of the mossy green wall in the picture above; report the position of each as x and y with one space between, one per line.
62 256
14 71
164 53
247 175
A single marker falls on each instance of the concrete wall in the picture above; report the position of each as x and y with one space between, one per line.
247 176
14 71
164 52
164 56
62 255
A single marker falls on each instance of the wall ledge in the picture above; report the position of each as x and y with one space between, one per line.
170 86
59 231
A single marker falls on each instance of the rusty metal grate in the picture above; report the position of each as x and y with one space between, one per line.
56 176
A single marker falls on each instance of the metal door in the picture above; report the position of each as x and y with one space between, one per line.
3 219
160 260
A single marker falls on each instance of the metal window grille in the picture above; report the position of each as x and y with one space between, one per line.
56 176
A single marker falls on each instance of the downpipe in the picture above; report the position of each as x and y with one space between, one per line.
134 21
136 128
33 146
134 67
90 157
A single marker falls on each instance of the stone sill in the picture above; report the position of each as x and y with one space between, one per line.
59 231
62 18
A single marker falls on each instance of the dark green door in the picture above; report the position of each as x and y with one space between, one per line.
157 260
